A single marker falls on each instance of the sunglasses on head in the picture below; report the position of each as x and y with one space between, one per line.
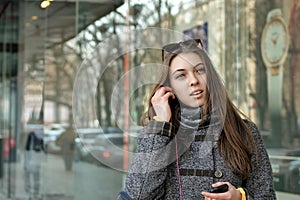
189 44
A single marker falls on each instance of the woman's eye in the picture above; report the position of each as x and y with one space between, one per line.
179 76
200 70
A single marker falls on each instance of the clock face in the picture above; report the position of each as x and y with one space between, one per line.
275 42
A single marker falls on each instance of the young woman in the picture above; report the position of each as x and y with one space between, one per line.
196 138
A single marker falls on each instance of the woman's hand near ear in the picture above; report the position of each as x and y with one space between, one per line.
160 103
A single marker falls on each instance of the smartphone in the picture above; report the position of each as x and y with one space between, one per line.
219 189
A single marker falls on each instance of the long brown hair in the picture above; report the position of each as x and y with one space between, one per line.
236 143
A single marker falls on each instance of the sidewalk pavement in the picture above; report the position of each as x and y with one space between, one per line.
287 196
55 182
86 181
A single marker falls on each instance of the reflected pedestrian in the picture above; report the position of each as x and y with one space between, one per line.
33 158
67 143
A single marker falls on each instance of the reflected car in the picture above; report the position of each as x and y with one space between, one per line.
107 150
112 130
51 133
105 147
294 176
84 140
286 169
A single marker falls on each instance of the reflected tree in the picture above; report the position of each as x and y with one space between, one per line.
291 90
113 26
59 80
236 51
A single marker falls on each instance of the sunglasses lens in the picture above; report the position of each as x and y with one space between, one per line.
186 44
171 47
193 43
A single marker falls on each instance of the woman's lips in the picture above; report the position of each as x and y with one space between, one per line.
197 93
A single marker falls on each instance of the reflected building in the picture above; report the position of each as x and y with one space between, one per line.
43 51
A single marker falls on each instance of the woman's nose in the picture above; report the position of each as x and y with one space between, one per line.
193 80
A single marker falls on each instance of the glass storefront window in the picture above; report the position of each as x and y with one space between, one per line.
67 65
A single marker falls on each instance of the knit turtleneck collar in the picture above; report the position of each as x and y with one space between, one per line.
190 117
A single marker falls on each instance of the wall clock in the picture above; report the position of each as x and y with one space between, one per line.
274 41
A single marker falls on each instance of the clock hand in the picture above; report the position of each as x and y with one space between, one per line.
274 38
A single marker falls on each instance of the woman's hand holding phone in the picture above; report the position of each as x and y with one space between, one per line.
222 190
160 103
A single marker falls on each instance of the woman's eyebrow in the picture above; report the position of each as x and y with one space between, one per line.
178 70
198 64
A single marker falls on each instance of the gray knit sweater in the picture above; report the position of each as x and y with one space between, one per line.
157 172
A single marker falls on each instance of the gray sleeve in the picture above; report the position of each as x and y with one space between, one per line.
259 185
148 170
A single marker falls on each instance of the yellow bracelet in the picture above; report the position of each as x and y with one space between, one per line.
242 191
156 118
